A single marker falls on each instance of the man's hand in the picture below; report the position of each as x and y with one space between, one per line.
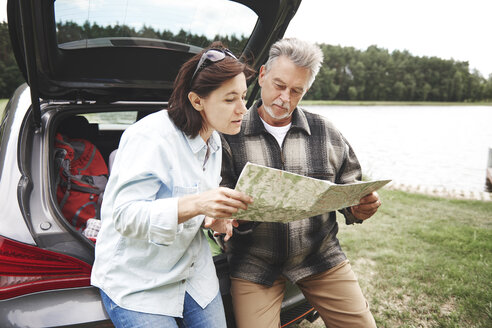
367 207
221 226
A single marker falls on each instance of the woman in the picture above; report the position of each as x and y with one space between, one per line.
153 265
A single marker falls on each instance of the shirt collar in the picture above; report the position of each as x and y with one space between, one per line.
197 143
254 125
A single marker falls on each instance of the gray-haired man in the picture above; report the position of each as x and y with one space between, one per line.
276 133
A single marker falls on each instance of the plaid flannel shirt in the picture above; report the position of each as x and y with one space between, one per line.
313 147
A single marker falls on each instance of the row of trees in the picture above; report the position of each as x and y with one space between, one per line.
376 74
10 76
70 31
346 73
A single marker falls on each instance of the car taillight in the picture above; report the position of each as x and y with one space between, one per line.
27 269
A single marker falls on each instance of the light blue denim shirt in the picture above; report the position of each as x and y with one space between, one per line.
145 260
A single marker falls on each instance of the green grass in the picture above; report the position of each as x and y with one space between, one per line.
424 261
3 103
388 103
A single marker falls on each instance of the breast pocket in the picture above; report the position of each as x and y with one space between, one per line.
180 191
326 174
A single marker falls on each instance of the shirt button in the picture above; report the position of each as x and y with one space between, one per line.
183 281
192 264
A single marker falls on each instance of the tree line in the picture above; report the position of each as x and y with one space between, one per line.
346 74
377 74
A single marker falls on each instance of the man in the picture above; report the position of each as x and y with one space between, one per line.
276 133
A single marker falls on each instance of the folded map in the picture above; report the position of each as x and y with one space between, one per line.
280 196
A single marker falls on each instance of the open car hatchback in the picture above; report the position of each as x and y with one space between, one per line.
92 69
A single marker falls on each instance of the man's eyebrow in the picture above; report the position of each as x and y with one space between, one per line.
278 80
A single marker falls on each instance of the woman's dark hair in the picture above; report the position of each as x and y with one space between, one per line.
210 78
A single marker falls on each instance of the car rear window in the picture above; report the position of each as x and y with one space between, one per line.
102 23
112 120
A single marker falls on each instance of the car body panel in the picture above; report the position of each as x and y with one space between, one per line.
10 175
44 309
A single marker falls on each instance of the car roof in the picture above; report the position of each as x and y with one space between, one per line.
133 67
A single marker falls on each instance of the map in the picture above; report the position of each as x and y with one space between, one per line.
280 196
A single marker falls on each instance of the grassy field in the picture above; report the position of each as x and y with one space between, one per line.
3 103
424 262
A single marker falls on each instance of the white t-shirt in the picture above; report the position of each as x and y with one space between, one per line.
278 132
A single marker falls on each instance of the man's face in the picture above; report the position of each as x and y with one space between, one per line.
282 87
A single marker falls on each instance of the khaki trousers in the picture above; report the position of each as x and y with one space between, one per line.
335 294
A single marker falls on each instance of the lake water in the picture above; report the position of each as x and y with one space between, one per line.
431 146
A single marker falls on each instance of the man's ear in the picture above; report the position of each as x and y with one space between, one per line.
195 100
261 76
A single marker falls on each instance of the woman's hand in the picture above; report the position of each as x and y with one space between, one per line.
221 226
216 203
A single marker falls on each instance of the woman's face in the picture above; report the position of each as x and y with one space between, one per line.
223 108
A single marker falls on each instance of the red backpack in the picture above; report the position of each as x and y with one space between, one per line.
82 177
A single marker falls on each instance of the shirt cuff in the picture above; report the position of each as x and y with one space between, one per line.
349 217
245 228
164 221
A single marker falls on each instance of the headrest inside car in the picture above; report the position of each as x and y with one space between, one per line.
78 127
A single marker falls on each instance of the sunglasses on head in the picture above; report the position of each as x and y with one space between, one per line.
211 56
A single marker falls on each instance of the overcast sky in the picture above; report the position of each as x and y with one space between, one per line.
448 29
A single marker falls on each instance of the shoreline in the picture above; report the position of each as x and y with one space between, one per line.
389 103
441 192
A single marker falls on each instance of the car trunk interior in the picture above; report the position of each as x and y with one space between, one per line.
101 125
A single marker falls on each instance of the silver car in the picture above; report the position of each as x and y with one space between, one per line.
110 62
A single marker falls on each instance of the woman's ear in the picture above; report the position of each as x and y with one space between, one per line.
195 100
